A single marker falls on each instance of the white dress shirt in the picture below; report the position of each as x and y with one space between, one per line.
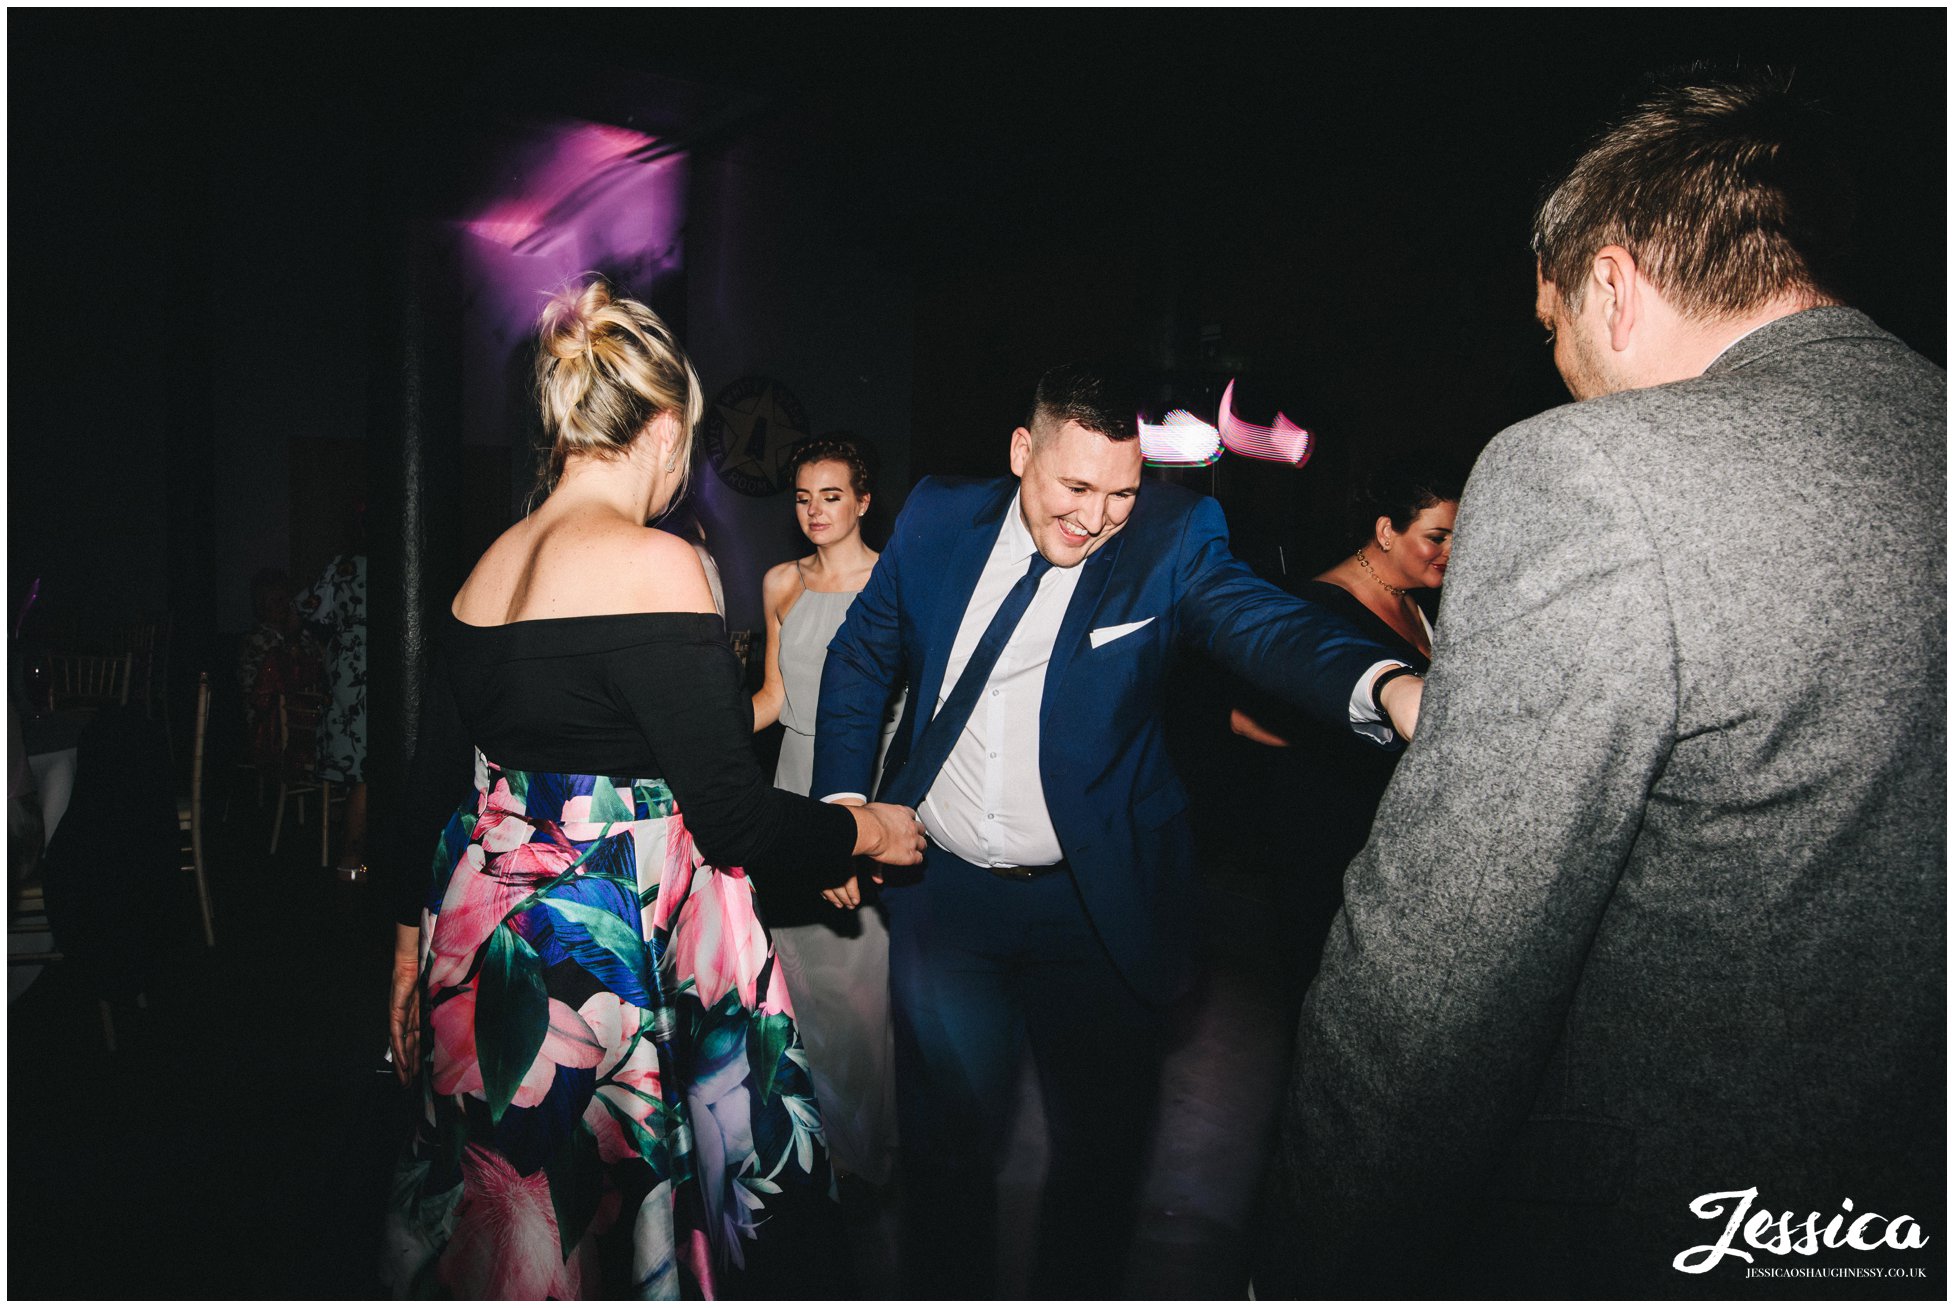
987 805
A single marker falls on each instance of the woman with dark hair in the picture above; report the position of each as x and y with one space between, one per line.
1403 523
616 1103
836 954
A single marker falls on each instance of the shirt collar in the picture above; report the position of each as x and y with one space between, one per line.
1728 346
1014 542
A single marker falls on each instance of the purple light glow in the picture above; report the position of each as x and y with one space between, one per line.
1284 442
576 156
571 197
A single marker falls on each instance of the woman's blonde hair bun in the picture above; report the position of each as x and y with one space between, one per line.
605 367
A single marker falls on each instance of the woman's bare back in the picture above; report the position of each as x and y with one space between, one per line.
578 562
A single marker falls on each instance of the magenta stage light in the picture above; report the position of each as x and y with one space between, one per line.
1284 442
552 202
1179 440
578 159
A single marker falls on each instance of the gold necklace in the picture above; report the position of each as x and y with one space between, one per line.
1365 564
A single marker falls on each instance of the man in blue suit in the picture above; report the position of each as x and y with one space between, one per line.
1034 619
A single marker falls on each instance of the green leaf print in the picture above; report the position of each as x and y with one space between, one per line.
576 1176
605 805
512 1015
608 929
765 1039
649 1147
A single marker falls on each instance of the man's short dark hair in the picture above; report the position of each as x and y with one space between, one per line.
1099 397
1728 193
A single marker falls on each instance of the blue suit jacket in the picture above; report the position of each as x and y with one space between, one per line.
1115 799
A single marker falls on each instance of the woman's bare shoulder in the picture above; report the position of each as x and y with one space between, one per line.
658 572
495 581
584 569
781 579
780 586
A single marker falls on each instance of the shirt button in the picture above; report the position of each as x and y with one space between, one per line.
996 693
993 753
991 816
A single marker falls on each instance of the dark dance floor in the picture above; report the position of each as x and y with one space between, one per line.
237 1144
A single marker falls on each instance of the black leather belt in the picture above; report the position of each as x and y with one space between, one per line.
1012 873
1031 873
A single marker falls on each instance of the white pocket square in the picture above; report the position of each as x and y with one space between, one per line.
1104 634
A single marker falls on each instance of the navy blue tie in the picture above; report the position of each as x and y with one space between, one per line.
940 736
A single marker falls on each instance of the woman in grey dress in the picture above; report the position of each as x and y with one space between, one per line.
836 954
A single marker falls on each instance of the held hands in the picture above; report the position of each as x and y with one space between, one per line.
887 833
846 895
1400 700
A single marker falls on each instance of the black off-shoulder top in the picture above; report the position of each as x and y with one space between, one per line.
620 695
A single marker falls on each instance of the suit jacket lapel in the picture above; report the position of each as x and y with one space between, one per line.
972 549
1098 570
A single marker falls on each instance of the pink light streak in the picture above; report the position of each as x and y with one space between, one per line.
1284 442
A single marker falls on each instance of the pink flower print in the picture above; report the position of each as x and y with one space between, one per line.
633 1082
778 999
675 883
457 1066
505 1238
481 894
640 1072
532 864
502 799
625 1095
576 820
613 1145
499 825
569 1042
498 833
613 1023
476 902
720 938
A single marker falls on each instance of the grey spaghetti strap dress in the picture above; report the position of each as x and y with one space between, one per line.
837 965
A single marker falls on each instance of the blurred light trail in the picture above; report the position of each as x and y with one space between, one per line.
1284 442
1180 440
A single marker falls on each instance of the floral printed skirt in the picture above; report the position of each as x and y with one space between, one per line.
615 1099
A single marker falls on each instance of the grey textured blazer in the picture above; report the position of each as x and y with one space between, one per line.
1655 905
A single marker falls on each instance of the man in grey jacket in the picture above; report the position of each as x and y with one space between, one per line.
1639 987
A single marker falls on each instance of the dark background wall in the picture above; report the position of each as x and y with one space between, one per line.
901 217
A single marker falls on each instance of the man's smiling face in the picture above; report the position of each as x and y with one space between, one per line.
1076 487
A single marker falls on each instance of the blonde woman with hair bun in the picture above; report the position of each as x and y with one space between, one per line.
610 1064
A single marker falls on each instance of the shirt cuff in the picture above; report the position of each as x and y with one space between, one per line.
840 795
1365 720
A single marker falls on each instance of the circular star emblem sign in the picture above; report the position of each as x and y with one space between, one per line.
751 428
